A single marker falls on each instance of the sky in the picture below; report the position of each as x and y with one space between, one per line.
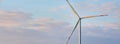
51 21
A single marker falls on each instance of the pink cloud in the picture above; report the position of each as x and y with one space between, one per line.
13 15
115 26
108 26
15 28
53 9
45 24
107 30
48 27
12 19
110 8
90 25
63 7
58 8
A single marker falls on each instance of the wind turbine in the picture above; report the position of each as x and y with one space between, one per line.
78 22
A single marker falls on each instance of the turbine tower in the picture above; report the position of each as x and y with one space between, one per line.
78 22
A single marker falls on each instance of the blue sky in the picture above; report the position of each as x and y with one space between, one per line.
51 21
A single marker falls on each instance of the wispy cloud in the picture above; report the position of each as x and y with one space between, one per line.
107 30
110 7
11 19
20 27
115 26
45 24
53 9
58 8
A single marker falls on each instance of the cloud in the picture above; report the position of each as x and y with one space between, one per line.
63 7
12 19
53 9
107 30
115 26
118 16
109 7
45 24
106 25
13 15
20 28
58 8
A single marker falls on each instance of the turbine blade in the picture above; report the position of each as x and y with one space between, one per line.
75 12
93 16
72 31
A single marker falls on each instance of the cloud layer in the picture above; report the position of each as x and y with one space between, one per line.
20 28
